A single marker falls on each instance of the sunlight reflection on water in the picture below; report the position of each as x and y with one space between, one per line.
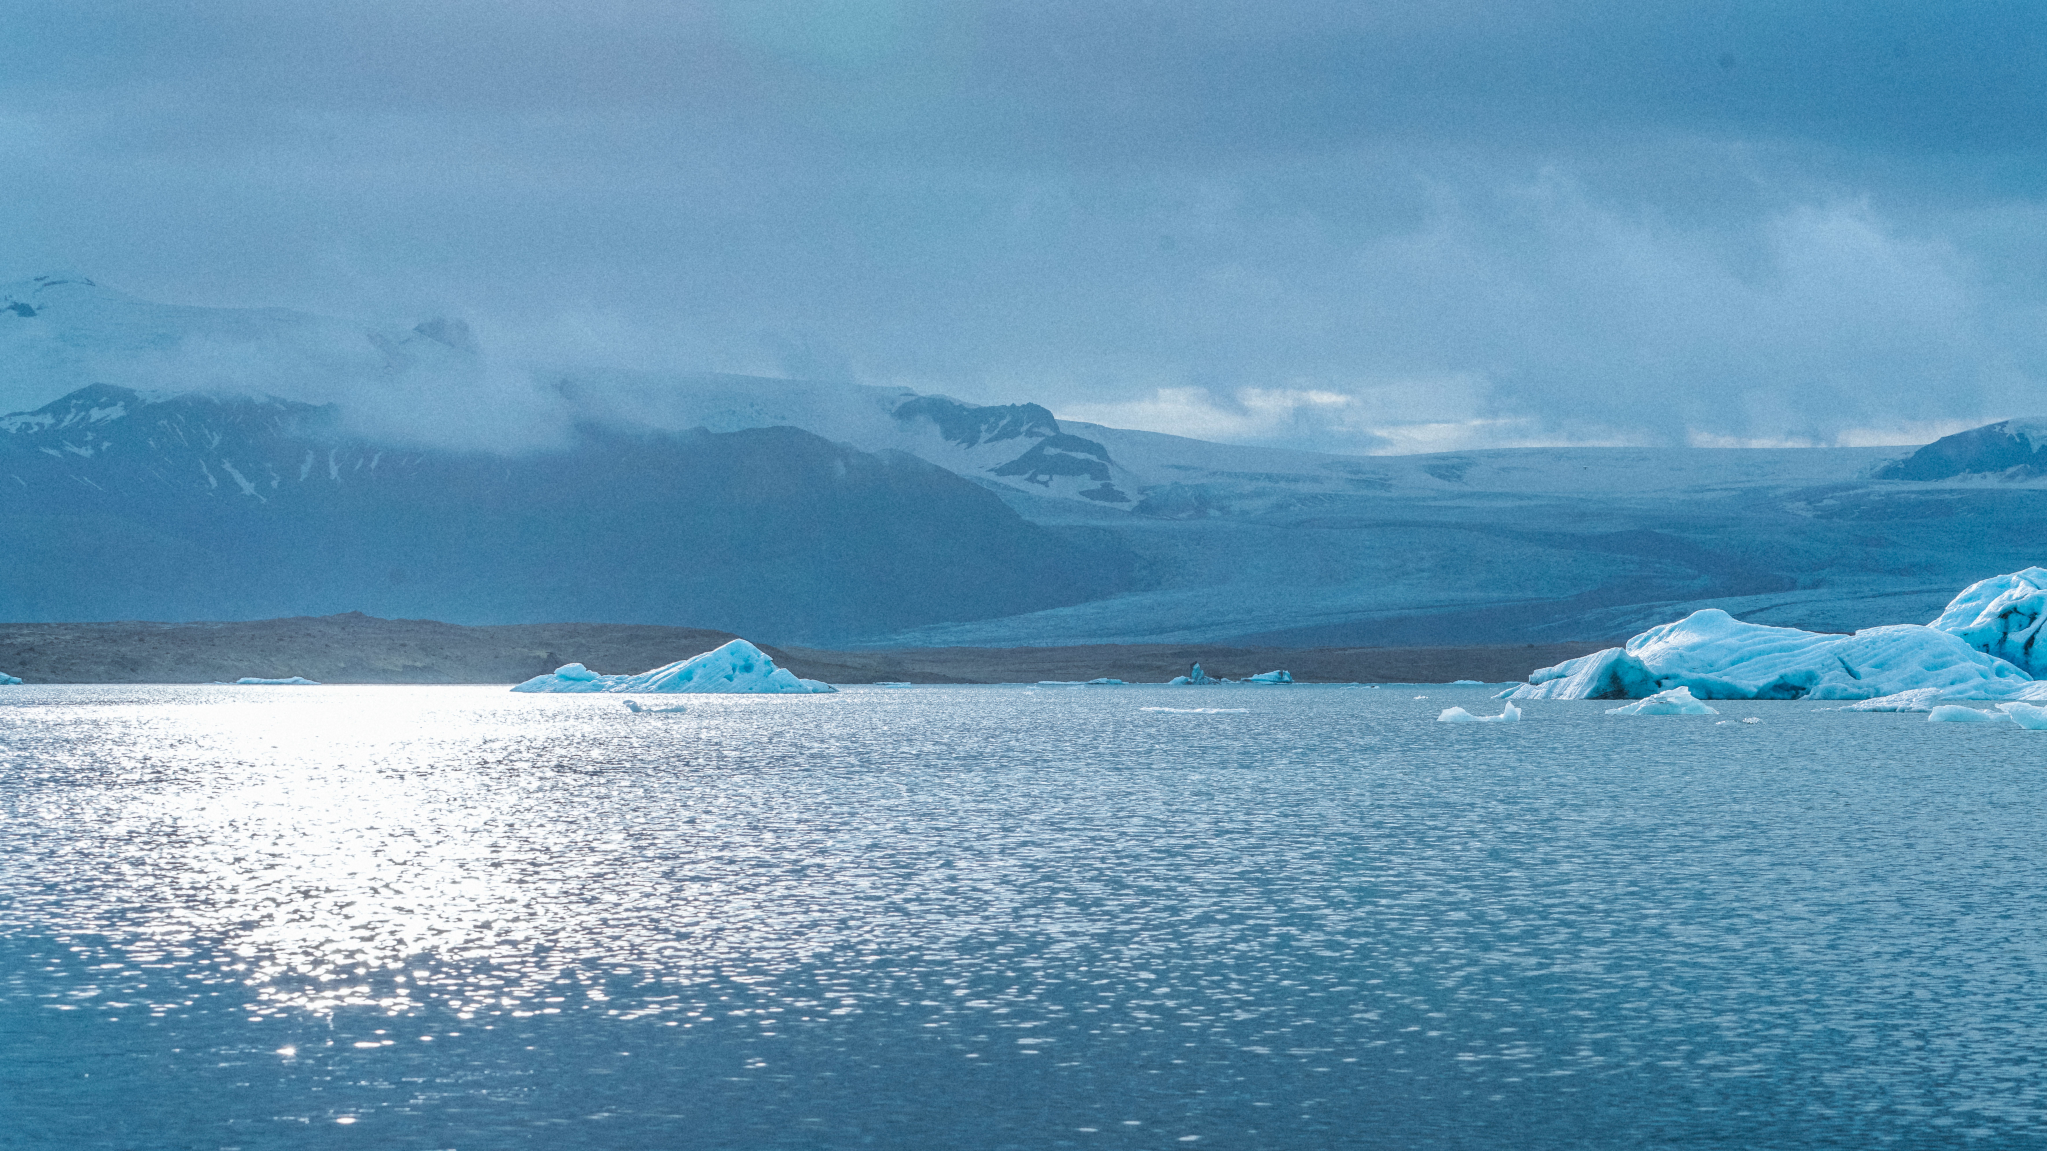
969 916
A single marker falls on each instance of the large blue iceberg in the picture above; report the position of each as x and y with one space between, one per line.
2002 616
1981 647
736 668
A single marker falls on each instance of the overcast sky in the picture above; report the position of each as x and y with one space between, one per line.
1355 227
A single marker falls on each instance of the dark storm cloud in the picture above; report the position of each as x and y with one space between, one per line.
1341 226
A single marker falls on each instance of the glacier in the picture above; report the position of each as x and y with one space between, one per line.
736 668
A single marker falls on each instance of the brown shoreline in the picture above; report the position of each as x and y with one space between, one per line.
355 648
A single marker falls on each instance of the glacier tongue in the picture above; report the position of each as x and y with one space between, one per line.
736 668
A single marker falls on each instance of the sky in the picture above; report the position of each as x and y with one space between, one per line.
1349 227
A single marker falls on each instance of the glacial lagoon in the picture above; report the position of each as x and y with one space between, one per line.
1011 917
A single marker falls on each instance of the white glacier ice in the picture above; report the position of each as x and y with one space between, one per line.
2001 616
1955 713
1676 701
294 681
1719 657
1459 715
738 667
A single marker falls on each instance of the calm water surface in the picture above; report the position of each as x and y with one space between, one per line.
1009 917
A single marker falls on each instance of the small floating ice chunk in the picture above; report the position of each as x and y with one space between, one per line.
1272 677
1459 715
1467 683
1956 713
1676 701
638 708
294 681
2030 716
1751 719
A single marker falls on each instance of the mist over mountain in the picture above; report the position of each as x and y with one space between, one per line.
829 512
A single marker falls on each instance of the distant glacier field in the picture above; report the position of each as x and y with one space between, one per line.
993 917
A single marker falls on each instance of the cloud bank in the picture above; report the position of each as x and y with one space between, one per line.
1334 226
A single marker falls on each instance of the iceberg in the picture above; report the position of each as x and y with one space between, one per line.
1459 715
1272 677
1927 698
1676 701
638 708
1194 676
2001 616
294 681
1716 656
736 668
8 680
2030 716
1955 713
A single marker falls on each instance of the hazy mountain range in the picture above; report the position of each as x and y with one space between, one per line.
221 463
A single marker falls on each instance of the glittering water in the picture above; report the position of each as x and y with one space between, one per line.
1009 917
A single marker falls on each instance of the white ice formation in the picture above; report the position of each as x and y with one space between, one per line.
1719 657
2030 716
1956 713
638 708
6 680
294 681
736 668
1459 715
1194 676
1676 701
1272 677
2001 616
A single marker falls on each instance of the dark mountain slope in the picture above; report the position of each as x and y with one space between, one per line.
2010 448
117 505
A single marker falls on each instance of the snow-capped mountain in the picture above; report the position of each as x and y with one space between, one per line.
2009 450
124 505
151 441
